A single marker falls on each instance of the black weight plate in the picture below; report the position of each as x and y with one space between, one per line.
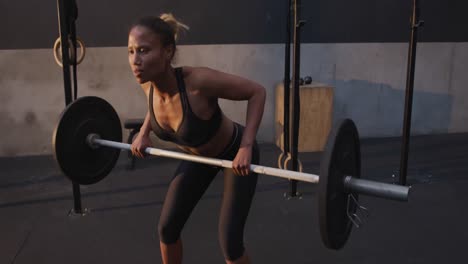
341 157
79 162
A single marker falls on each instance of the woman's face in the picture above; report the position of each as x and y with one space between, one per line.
146 54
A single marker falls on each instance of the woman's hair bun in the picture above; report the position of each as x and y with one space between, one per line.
176 25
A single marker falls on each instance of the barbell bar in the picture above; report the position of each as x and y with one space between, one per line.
94 141
353 185
87 143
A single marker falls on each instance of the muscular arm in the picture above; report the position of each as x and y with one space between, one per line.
217 84
146 127
255 106
142 141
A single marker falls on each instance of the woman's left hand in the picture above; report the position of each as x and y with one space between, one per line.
241 163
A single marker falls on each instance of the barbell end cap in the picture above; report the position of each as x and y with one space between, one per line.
90 140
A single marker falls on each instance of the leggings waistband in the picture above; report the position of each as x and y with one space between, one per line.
234 143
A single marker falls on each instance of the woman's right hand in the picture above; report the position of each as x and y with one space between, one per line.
140 143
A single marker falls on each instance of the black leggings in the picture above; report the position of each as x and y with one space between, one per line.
187 187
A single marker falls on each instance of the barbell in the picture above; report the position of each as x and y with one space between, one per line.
87 143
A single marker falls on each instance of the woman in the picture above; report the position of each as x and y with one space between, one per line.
183 108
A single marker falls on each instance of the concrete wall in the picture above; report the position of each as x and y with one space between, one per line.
369 81
359 48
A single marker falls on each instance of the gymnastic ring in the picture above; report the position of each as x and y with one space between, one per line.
58 48
288 158
280 161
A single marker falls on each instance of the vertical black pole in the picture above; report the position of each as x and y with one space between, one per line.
415 23
295 100
73 15
286 81
64 16
77 199
64 31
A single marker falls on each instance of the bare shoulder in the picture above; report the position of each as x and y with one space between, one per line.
195 77
198 73
217 84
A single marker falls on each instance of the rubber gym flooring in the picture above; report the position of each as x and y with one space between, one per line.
35 200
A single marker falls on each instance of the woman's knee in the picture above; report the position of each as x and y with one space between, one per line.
168 234
232 249
231 240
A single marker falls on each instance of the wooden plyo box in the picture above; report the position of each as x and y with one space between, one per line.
315 116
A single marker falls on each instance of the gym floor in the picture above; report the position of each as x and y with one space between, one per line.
124 208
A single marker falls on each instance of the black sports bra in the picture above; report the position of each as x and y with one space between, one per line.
192 131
